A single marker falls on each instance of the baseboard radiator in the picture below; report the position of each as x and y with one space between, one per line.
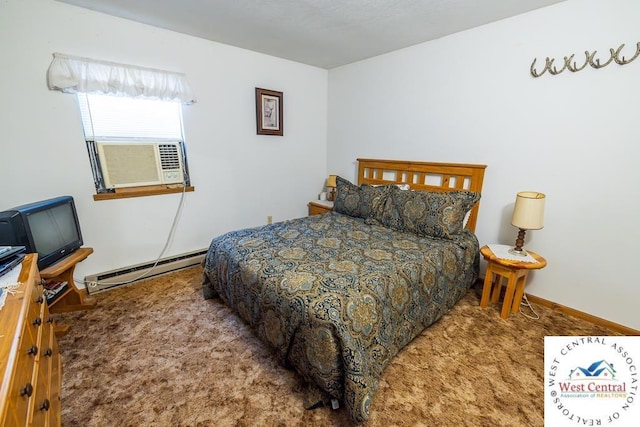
123 276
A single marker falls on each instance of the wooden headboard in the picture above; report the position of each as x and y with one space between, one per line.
425 176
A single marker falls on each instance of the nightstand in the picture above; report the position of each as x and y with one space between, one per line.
515 273
319 207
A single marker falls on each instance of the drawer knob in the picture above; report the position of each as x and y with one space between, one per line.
37 321
33 350
50 319
39 300
45 405
26 390
48 352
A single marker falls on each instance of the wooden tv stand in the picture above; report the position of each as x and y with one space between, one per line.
72 299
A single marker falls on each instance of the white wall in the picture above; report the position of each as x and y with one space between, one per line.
470 98
463 98
240 177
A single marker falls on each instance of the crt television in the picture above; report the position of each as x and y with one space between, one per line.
49 227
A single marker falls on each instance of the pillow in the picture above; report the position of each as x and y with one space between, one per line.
357 201
426 213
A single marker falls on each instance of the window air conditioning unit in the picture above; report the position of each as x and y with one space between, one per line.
134 164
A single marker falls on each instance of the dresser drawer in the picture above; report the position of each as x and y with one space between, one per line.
55 379
23 387
10 416
41 406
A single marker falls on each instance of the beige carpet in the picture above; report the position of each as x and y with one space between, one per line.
157 354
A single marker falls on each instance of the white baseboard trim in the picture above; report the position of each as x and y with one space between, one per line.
106 280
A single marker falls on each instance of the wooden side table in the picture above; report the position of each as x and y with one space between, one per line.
72 298
515 273
319 207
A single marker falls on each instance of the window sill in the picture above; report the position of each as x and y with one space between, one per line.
153 190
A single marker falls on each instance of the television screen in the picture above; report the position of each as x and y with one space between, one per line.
53 228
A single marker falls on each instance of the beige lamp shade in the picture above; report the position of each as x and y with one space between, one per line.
331 181
528 212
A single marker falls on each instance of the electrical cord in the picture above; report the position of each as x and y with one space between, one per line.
526 303
162 252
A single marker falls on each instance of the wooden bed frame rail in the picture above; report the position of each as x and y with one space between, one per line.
429 176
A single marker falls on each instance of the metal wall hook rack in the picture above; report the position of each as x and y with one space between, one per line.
590 59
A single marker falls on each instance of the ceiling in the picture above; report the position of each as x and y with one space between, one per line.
323 33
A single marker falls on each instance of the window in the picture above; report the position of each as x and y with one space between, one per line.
136 146
132 122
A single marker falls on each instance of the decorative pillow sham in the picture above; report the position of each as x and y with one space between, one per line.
426 213
358 201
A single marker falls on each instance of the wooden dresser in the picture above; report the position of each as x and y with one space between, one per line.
29 357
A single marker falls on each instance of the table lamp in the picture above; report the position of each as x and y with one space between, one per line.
528 214
331 185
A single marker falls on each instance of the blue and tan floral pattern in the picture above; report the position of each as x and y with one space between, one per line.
362 312
358 201
426 213
337 298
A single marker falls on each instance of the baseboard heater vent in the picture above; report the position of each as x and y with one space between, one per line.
123 276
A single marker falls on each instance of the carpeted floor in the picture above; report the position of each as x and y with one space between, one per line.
157 354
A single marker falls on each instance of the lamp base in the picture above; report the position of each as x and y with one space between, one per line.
519 250
516 252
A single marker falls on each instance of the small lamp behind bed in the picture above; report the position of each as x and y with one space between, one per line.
528 214
331 185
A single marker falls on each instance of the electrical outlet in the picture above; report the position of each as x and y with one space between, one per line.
269 219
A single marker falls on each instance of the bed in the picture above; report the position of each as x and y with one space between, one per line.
338 295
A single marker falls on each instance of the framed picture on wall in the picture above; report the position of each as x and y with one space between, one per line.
269 112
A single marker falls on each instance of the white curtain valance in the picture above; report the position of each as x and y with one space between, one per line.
72 74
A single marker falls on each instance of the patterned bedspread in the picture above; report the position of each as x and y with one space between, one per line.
337 298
